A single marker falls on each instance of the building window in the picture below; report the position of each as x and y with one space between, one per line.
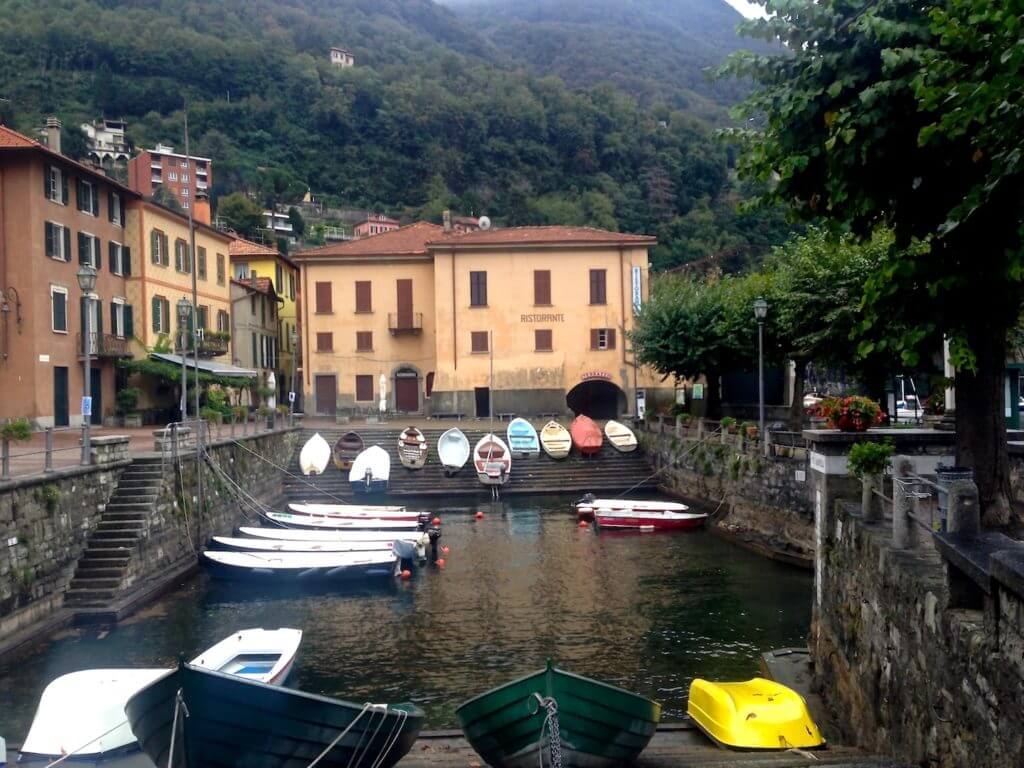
220 269
184 193
58 309
120 258
364 296
478 289
115 209
602 338
201 262
159 252
428 387
88 200
325 342
598 292
223 321
278 274
255 353
542 341
291 286
182 262
202 316
55 184
241 271
89 250
184 176
542 287
161 315
184 204
58 241
364 341
364 388
323 299
117 311
172 175
184 163
478 342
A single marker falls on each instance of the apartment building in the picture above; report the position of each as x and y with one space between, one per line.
184 177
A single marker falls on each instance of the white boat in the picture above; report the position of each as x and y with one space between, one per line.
522 439
370 471
341 523
453 449
492 460
314 455
408 545
83 712
353 511
412 448
588 505
620 436
555 440
660 520
284 566
238 544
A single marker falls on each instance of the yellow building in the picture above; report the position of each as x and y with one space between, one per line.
252 260
548 308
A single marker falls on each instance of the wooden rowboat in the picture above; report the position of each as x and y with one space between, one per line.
243 723
453 450
492 460
588 505
600 725
523 439
346 449
586 435
620 436
412 448
314 455
323 522
556 440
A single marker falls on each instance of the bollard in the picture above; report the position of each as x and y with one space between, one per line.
904 532
5 473
48 449
700 428
964 509
174 440
868 506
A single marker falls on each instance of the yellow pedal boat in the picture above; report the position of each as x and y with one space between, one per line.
756 714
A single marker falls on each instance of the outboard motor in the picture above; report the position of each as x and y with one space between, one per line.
435 536
424 521
587 498
368 480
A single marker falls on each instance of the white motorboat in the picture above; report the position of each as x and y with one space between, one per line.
371 471
453 449
492 460
236 544
412 448
588 505
83 712
315 455
325 522
522 439
408 545
353 511
284 566
620 436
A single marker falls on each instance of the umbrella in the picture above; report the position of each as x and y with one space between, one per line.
383 393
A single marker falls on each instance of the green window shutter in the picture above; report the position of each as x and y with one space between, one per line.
64 196
79 194
51 239
126 260
67 243
113 318
97 250
165 248
95 201
154 247
47 179
112 258
84 246
156 315
110 205
99 318
129 321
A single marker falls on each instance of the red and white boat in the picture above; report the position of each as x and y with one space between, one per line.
353 511
586 435
648 521
588 505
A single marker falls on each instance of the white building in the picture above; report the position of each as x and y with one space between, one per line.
342 58
107 142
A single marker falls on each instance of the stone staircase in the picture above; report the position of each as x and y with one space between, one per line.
609 471
104 564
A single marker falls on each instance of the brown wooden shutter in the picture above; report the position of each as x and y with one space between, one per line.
478 289
364 388
323 298
542 287
404 303
598 294
610 333
364 341
428 388
478 341
542 341
593 338
364 296
325 342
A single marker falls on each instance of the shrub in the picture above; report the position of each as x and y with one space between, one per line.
16 429
127 400
283 409
48 495
241 413
263 411
869 459
728 421
211 415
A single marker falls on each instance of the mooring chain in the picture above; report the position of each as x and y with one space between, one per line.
554 735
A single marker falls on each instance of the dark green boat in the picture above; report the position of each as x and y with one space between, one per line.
599 725
224 721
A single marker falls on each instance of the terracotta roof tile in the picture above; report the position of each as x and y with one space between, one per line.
542 235
9 138
261 284
243 247
410 240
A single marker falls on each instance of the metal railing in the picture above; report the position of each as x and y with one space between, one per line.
776 443
105 345
45 463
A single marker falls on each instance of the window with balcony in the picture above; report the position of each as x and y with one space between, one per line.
223 321
118 311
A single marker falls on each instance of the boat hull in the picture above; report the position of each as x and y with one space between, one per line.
346 449
555 440
600 725
321 523
625 521
492 460
297 566
523 441
242 723
453 450
620 437
586 435
353 512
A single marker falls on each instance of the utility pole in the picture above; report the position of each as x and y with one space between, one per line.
195 345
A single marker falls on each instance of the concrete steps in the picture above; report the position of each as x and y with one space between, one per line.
103 565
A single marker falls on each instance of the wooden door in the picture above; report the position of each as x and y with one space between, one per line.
404 304
407 394
326 388
61 410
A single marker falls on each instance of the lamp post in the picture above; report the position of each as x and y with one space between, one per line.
292 393
184 312
87 282
760 313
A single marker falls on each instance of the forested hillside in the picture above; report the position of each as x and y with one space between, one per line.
432 116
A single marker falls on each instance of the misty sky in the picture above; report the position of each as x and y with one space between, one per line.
747 8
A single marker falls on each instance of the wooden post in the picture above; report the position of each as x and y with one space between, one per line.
869 507
48 449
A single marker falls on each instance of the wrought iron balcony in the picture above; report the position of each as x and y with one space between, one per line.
210 345
106 345
405 323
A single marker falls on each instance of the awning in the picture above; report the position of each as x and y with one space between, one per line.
209 366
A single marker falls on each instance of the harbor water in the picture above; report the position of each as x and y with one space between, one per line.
646 611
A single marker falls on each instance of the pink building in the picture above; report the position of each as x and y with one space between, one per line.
375 224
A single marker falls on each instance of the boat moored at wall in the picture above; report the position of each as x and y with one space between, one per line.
589 504
325 522
354 511
640 520
307 566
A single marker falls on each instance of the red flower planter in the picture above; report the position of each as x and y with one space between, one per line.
847 423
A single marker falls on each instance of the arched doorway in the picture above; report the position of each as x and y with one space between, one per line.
596 398
407 390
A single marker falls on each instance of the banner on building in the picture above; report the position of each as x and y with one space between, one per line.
638 299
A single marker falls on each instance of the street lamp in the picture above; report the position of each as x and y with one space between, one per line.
184 312
760 313
87 283
292 396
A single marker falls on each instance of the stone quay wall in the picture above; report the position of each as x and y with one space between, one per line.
45 520
759 500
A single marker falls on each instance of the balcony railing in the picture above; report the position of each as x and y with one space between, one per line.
105 345
405 323
209 346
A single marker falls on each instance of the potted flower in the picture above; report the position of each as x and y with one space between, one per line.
869 461
851 414
751 429
729 424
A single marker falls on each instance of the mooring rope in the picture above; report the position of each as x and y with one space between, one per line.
396 731
554 734
245 498
300 478
74 752
179 704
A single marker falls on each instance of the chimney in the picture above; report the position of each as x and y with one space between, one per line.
53 133
446 217
201 211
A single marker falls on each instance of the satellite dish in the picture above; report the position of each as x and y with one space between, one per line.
484 222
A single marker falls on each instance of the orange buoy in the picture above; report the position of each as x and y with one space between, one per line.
445 550
479 515
440 562
584 524
406 574
436 521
